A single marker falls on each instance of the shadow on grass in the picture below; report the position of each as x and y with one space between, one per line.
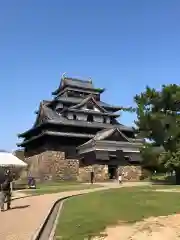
167 180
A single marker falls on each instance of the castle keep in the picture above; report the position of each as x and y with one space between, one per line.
77 133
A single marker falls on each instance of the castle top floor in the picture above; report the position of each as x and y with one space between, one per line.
75 87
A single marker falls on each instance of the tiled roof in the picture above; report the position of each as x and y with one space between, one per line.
101 135
75 100
85 101
63 134
78 83
88 111
47 115
53 117
105 133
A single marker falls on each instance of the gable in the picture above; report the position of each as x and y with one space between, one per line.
112 134
117 135
89 104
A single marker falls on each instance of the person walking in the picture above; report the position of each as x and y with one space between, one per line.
5 194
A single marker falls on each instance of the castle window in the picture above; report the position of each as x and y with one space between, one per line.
104 119
111 120
74 117
90 118
127 158
69 93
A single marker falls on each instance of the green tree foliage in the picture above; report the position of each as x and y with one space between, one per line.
158 119
171 160
150 157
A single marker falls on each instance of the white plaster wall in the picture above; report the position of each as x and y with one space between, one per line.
84 107
70 116
107 119
98 119
81 117
96 109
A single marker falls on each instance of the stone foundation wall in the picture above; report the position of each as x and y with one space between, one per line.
51 165
45 164
100 172
131 172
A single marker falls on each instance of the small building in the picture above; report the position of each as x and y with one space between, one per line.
77 133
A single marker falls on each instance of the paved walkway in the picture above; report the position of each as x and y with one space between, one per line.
28 214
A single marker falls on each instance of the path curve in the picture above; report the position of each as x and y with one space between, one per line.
28 215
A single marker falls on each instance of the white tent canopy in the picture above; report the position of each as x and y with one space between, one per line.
9 160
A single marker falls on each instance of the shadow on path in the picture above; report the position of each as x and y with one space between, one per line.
20 207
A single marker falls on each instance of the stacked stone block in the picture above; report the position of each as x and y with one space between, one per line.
53 165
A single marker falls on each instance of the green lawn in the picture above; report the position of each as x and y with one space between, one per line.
164 186
163 178
85 216
55 187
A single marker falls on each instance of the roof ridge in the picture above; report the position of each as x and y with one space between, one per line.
77 79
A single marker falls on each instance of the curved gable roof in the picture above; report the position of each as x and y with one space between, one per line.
106 133
85 101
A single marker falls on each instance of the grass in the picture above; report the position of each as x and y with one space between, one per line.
55 187
165 186
161 177
85 216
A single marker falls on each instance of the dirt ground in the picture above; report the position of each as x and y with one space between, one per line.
153 228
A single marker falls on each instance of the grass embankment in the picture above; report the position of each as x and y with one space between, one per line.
85 216
55 187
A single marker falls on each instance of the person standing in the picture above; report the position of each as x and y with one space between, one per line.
120 178
5 194
92 177
31 183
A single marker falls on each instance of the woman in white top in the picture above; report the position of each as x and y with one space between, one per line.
120 178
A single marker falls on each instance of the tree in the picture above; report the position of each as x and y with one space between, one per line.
158 119
150 157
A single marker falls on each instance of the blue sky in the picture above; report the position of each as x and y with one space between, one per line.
122 44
